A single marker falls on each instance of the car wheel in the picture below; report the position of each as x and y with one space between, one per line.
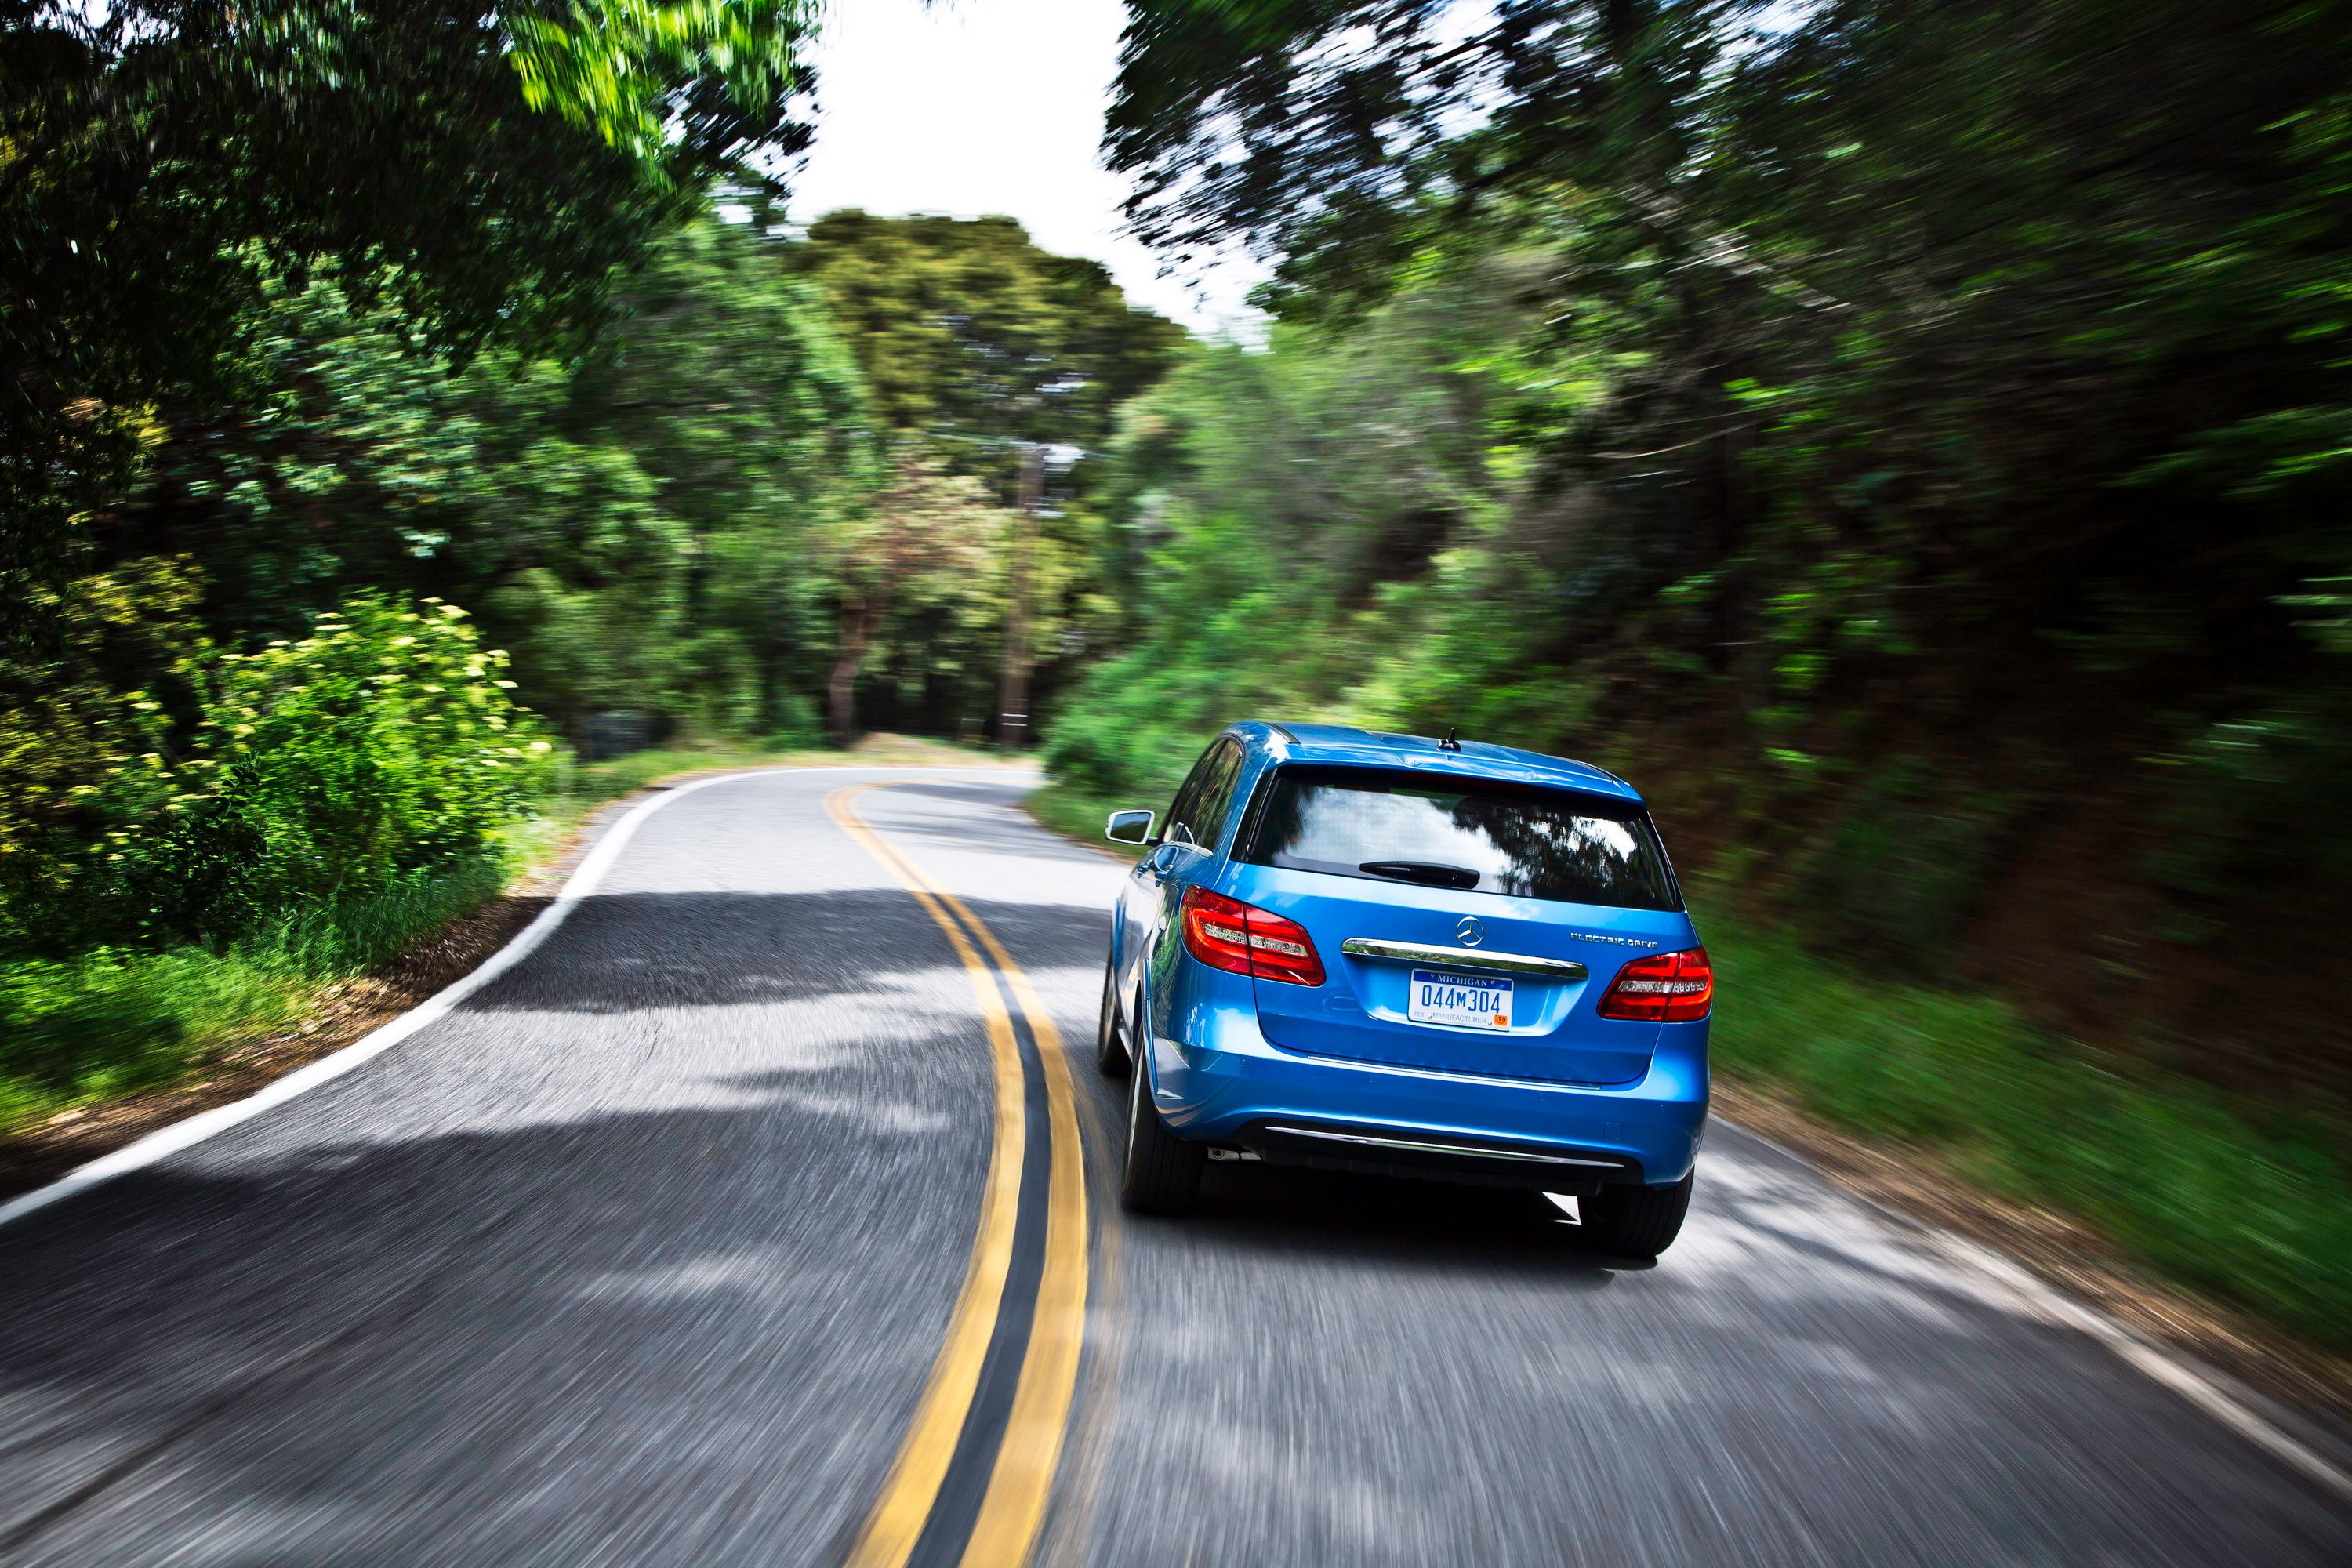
1634 1222
1162 1174
1111 1057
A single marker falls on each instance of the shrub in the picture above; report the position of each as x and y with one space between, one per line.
332 768
336 795
316 773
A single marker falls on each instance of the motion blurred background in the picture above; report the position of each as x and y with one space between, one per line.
1911 441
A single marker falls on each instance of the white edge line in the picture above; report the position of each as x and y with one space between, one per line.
583 881
2156 1362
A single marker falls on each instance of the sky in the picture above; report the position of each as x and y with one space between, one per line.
973 107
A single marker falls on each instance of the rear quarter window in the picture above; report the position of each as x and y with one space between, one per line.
1473 835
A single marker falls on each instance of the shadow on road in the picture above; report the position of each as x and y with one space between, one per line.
1395 1225
631 951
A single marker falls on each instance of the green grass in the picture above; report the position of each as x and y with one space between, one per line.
2247 1202
1070 813
115 1022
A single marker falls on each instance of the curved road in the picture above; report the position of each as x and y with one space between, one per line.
661 1248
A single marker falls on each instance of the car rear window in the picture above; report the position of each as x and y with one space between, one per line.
1410 828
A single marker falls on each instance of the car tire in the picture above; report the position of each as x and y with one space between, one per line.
1112 1058
1634 1222
1163 1173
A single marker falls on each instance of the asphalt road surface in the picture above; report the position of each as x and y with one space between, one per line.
743 1222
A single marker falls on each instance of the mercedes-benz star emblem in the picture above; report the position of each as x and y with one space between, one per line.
1468 931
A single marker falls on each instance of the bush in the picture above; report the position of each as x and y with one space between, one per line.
319 774
335 796
382 745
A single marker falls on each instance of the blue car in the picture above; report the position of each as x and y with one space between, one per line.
1410 957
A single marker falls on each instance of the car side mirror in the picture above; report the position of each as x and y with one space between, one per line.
1128 828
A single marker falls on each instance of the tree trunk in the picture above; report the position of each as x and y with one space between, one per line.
848 658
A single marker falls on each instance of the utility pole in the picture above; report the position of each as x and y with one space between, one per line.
1012 708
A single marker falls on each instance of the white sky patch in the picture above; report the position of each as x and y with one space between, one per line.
993 106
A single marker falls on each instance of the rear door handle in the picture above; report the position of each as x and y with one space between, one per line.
1464 958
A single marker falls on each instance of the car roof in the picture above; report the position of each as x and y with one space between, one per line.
1345 746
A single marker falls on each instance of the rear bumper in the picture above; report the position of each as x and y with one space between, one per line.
1234 1087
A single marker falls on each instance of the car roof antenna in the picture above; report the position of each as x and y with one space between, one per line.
1449 744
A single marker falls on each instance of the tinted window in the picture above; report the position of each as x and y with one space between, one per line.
1201 804
1216 793
1188 795
1496 838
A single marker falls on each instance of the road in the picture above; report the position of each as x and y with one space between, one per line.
661 1248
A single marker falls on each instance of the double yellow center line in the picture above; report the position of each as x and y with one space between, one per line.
989 1426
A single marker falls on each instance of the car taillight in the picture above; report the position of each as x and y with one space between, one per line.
1668 988
1225 933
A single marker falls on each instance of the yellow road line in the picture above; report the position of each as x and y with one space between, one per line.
1015 1508
913 1484
1020 1483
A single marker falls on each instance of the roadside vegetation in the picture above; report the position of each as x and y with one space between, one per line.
2242 1198
363 470
332 798
1909 441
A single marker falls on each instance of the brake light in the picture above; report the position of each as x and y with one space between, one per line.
1241 939
1666 988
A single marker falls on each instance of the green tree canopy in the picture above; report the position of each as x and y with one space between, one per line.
634 525
976 343
1918 435
159 162
971 336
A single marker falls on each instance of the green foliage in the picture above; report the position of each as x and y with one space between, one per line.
977 345
336 795
1071 811
83 749
635 525
930 552
967 332
1907 440
161 164
331 767
112 1021
315 772
620 68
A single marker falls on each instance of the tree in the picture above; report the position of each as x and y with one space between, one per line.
976 344
973 337
632 524
1931 416
930 542
481 171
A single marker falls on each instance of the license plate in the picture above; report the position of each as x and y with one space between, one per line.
1465 1000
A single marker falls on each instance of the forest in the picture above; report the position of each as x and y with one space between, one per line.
1911 442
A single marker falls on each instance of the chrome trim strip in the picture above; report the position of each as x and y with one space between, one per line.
1371 1142
1464 958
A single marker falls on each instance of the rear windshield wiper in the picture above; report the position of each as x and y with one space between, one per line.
1426 871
